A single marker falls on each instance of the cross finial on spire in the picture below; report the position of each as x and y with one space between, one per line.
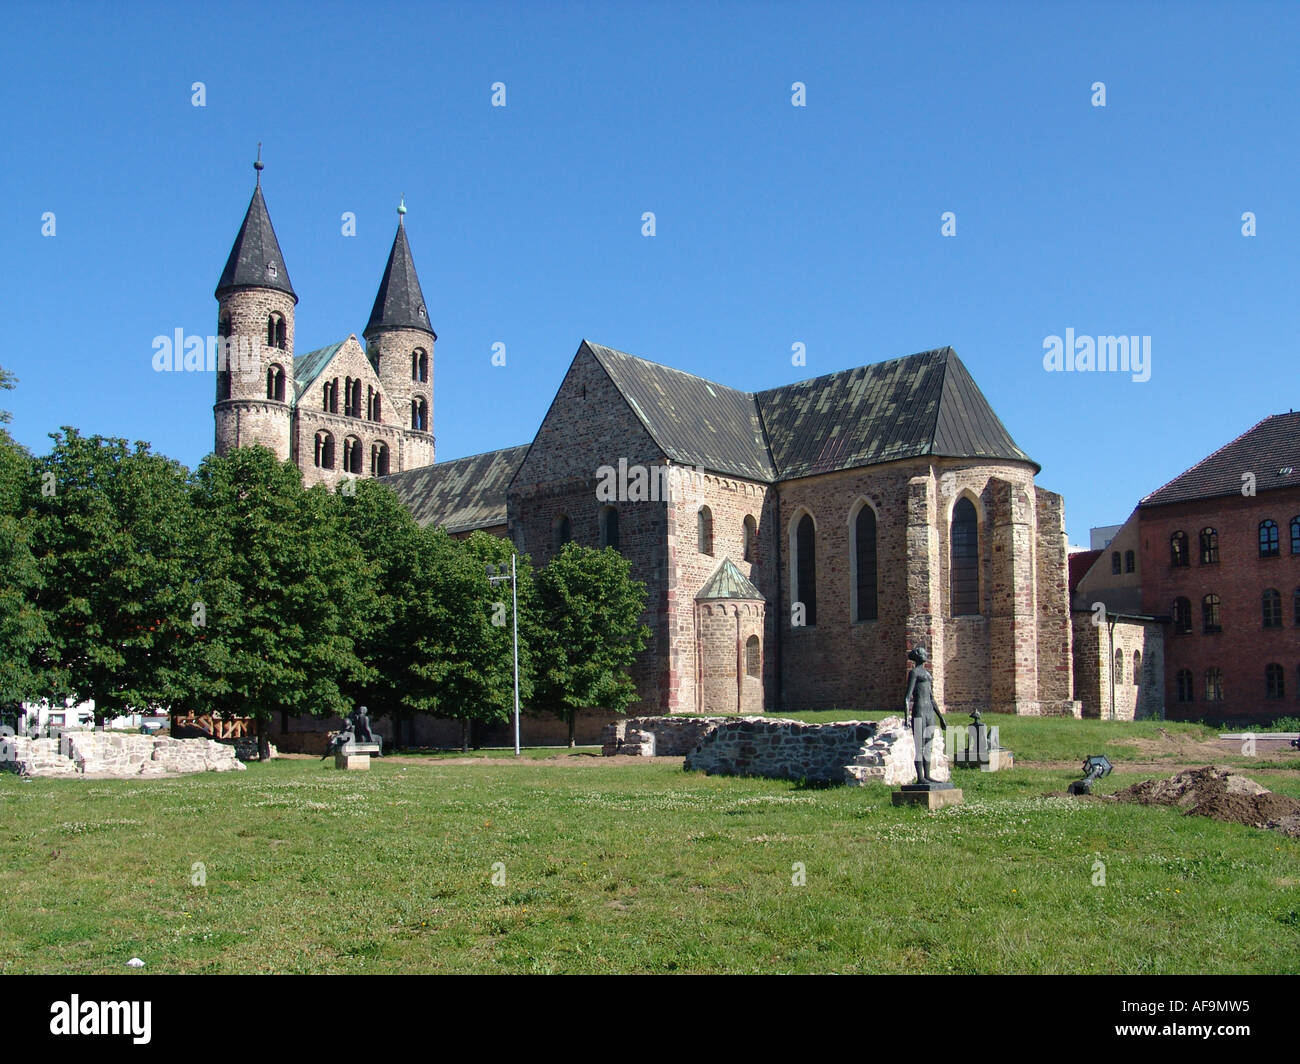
259 166
401 209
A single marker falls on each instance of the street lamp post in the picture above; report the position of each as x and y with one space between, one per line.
496 575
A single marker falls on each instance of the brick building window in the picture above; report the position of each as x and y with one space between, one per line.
276 335
1116 566
1295 535
1272 608
1274 681
753 658
750 531
609 527
864 565
704 530
1182 616
1296 596
379 459
561 531
964 569
419 365
330 396
324 450
1119 666
1210 621
1214 685
1137 666
803 568
352 460
1209 546
1130 562
1178 550
275 382
419 415
1185 685
1268 544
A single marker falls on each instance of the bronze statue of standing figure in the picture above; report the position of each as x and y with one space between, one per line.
919 703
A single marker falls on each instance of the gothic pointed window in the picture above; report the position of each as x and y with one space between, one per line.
1137 666
1119 666
863 564
965 559
803 569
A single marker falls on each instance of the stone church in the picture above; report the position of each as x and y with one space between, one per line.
804 538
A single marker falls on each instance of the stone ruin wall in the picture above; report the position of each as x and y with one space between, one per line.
90 753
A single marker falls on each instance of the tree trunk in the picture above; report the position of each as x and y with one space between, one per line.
464 735
263 743
573 729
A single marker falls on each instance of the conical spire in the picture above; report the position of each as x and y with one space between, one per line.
400 303
255 259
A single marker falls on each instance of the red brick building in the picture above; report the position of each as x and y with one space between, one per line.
1220 556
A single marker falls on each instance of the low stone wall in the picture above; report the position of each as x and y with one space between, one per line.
91 753
657 736
855 752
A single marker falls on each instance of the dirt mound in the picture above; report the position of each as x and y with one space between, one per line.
1217 792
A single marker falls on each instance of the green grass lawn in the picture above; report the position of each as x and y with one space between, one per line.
634 867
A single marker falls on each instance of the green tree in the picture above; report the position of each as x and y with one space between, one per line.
26 669
284 591
590 616
7 382
109 526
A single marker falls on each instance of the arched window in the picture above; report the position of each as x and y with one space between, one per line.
1137 666
419 365
275 331
561 531
1210 614
223 325
419 415
704 530
1272 608
862 563
1186 685
609 527
352 459
750 533
1268 544
370 402
1116 567
1130 562
1182 616
1213 685
1119 666
1296 596
1178 549
331 396
223 384
965 559
376 414
379 459
1209 546
803 569
1295 535
324 450
348 409
356 397
275 382
753 657
1274 681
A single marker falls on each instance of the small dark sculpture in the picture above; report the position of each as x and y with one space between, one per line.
1094 768
918 702
359 719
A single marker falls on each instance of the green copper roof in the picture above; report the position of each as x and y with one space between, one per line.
729 583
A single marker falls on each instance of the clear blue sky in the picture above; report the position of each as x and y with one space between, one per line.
775 224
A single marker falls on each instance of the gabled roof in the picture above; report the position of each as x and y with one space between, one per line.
399 303
695 421
460 495
729 583
1264 449
923 404
255 258
306 368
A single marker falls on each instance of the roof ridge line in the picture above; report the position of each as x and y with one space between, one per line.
1193 468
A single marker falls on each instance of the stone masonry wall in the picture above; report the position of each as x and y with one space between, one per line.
248 417
91 753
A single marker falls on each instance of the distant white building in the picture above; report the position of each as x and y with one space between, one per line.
40 717
1100 537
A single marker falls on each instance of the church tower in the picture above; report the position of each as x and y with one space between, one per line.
255 323
399 344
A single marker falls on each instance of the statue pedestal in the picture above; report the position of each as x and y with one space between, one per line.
928 795
355 757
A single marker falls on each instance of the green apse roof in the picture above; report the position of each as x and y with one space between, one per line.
729 583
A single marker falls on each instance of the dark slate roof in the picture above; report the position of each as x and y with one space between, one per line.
1264 449
729 583
255 253
1078 565
306 368
694 421
460 495
399 303
924 404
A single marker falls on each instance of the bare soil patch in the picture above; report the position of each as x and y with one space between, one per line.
1219 793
